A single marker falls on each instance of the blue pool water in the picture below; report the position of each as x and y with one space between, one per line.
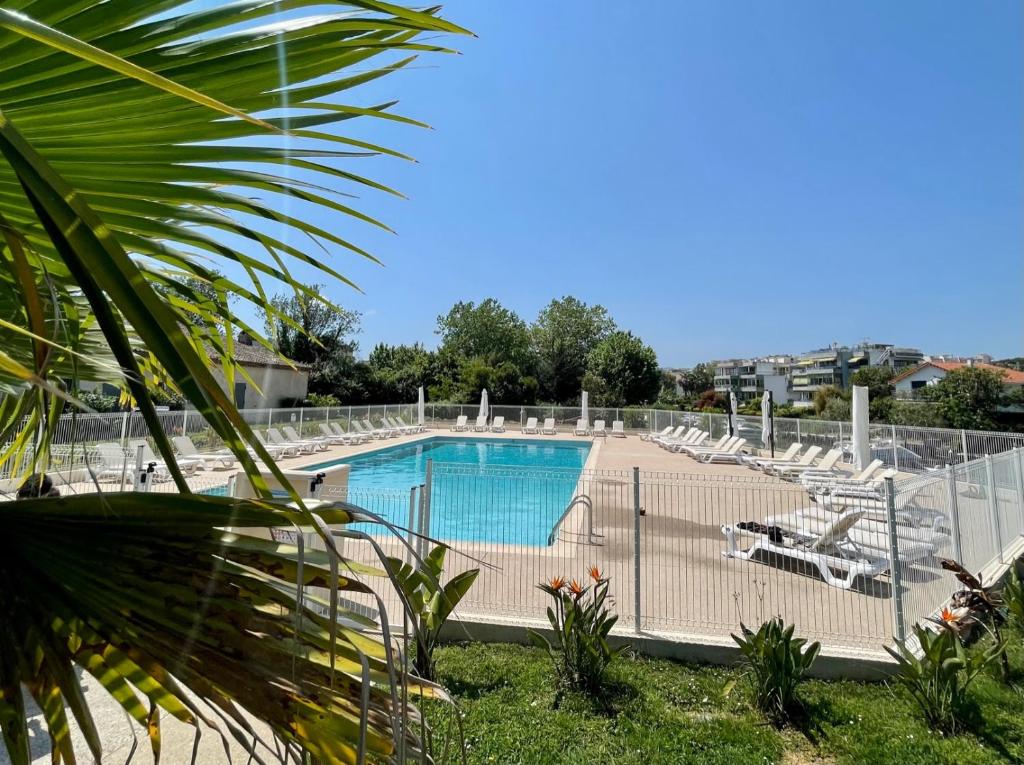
483 490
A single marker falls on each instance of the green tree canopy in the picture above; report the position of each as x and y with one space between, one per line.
622 371
564 334
317 334
397 371
488 331
697 380
968 397
878 381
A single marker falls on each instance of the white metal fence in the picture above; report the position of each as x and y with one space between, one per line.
665 540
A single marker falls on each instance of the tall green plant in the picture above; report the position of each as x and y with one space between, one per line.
580 620
146 149
775 663
938 675
430 602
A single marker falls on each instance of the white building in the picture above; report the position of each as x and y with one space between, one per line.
277 380
752 378
930 372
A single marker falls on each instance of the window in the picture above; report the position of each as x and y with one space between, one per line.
240 395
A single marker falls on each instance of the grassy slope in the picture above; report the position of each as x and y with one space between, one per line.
666 712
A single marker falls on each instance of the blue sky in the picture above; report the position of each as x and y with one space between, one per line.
727 178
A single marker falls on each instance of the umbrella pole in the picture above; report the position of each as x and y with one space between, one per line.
771 422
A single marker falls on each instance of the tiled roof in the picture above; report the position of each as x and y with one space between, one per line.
257 356
1011 376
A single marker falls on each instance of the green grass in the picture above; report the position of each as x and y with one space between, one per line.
661 711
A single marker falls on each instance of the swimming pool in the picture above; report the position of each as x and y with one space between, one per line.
509 491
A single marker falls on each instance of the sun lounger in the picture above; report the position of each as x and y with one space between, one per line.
460 423
336 438
618 429
813 480
276 450
301 447
729 454
531 425
498 425
652 436
385 431
599 430
699 440
395 426
805 459
582 428
675 436
355 436
321 442
794 472
415 428
187 465
109 462
693 450
830 550
757 462
186 448
549 428
871 531
481 423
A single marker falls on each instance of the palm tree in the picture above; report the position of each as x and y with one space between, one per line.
145 149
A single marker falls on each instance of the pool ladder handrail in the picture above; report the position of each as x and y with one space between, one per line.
579 499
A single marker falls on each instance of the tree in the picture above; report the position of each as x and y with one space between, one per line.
487 331
697 380
318 334
397 371
878 381
968 397
823 395
564 334
112 171
622 371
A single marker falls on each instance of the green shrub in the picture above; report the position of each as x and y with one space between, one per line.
775 662
938 680
323 399
97 401
581 622
430 602
1013 598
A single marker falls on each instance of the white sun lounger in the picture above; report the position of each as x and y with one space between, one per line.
830 551
460 423
599 430
794 472
530 426
403 430
695 449
729 454
652 436
385 430
277 449
355 436
757 462
674 436
301 447
188 465
498 424
336 438
224 458
109 463
549 428
871 531
481 423
812 479
321 442
582 428
805 459
618 429
415 428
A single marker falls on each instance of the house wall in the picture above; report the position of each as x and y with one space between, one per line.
275 384
921 377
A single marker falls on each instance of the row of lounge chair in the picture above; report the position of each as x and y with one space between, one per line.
844 532
549 428
693 443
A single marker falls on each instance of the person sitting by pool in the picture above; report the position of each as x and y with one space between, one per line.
36 486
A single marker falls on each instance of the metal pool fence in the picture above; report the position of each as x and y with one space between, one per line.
691 556
908 449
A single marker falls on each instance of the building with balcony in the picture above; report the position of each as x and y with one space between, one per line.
751 378
836 364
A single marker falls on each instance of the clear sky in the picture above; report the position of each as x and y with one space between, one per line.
727 178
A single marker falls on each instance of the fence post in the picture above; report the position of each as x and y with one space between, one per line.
270 417
124 431
348 425
798 430
1019 452
636 550
184 421
428 483
963 445
300 421
840 434
954 515
411 534
993 505
895 573
895 451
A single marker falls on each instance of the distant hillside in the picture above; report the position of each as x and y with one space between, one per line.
1017 362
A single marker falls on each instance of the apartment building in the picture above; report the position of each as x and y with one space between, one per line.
751 378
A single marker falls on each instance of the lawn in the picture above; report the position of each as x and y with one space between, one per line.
662 711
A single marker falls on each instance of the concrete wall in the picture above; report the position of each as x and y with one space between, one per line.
924 374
